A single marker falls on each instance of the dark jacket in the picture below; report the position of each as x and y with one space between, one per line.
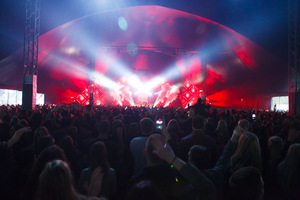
198 138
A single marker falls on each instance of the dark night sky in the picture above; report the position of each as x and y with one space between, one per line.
262 21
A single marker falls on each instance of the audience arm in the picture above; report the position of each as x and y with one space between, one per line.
223 162
203 186
16 137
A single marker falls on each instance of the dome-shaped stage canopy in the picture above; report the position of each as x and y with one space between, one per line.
161 41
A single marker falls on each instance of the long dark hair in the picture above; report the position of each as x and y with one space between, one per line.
98 157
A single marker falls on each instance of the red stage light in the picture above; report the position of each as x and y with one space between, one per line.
84 97
123 96
190 94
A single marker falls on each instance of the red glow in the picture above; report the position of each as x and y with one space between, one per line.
195 69
166 95
84 97
181 65
213 77
142 62
246 59
190 94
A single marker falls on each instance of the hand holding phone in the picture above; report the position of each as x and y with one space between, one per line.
159 123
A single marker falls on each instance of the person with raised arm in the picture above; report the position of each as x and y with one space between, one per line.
15 138
203 187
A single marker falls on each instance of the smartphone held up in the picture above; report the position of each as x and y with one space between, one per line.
159 123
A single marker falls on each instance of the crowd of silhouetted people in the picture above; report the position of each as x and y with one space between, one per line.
74 152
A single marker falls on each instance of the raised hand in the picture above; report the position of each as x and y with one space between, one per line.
163 150
18 134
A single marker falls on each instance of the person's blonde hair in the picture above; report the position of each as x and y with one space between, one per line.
248 153
56 182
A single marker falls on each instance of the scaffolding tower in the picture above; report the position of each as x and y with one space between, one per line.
294 57
30 53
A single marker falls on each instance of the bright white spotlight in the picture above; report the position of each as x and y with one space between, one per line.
140 87
147 92
104 81
134 81
71 50
155 82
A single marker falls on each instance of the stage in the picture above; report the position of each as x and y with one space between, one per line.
149 55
